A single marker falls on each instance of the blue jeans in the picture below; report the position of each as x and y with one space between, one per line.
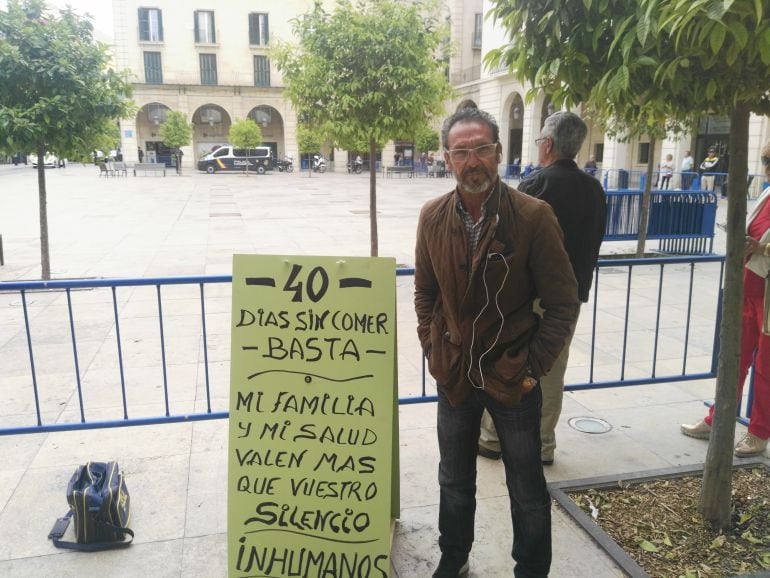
518 428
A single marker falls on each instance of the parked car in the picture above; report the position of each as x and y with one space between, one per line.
49 161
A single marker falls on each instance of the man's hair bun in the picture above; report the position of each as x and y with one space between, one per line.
466 103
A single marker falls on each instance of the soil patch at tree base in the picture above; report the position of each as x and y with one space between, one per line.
649 523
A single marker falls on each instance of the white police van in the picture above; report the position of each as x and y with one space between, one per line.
229 158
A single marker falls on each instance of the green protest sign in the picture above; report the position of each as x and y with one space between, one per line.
312 393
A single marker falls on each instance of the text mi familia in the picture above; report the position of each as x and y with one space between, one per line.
288 402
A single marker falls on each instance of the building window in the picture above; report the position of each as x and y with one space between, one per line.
204 27
259 30
150 25
644 153
208 68
478 21
153 73
599 152
261 71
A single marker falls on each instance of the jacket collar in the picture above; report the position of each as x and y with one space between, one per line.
566 163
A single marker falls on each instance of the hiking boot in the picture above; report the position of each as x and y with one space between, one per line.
452 566
750 445
700 430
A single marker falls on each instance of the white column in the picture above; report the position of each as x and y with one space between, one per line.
128 140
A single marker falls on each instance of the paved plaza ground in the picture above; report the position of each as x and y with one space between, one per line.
192 225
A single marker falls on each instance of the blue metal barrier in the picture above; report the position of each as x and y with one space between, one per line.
683 221
68 286
622 179
512 172
626 278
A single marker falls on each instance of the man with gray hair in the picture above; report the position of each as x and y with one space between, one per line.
581 209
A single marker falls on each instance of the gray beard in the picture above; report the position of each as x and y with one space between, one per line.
482 187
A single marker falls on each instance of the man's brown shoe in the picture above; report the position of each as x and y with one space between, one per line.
700 430
749 446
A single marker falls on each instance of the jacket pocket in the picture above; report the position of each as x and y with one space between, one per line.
445 355
505 391
503 375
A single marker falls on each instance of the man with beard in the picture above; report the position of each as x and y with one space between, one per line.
484 253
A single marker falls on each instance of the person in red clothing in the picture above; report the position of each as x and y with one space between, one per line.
755 336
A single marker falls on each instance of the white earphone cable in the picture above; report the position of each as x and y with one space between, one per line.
473 328
500 312
486 304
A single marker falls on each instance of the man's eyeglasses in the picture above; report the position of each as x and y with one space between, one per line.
765 161
486 151
541 140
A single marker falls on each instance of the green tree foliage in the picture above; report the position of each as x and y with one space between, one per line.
368 72
580 53
57 92
176 132
308 140
642 64
426 140
246 134
108 138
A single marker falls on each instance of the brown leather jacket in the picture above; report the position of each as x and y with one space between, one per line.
489 336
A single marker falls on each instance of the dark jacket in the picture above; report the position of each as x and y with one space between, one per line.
521 256
580 205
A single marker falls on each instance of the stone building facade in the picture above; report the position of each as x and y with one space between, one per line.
210 61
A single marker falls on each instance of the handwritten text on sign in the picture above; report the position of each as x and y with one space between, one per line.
311 413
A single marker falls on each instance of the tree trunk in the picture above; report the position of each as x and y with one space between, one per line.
373 195
45 259
717 472
644 218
